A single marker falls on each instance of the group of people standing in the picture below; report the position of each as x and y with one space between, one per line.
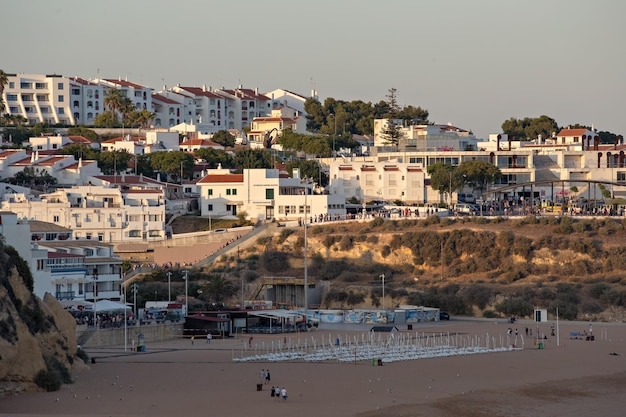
276 391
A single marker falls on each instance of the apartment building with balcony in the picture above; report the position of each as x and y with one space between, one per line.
67 268
97 213
264 194
139 95
39 98
168 111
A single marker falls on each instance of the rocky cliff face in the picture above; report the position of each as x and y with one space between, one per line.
35 335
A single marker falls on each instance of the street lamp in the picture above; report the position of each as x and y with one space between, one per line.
169 286
95 297
186 278
382 276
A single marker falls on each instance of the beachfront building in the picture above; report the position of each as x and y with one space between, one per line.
97 213
61 265
557 167
265 194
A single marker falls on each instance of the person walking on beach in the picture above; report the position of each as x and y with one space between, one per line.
273 392
283 393
209 336
277 392
262 375
193 337
267 376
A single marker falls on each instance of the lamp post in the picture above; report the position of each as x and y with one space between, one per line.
95 297
382 277
186 278
306 253
169 286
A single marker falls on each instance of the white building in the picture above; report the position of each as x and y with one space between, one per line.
427 137
168 112
280 119
97 213
54 143
39 98
264 194
62 266
288 99
140 96
154 141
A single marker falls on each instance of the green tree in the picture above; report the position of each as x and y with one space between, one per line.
219 288
224 138
252 158
114 101
215 157
142 165
445 178
80 150
392 132
106 119
308 169
113 162
171 163
139 118
29 177
84 132
478 174
530 128
4 80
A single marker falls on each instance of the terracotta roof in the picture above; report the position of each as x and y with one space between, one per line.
414 169
24 161
52 160
197 91
163 99
121 139
79 139
129 179
345 168
572 132
221 178
124 83
247 93
82 81
201 142
75 165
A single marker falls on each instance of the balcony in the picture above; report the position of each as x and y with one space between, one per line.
65 295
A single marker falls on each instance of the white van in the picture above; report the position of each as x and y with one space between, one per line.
466 208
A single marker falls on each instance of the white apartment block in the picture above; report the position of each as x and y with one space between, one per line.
140 96
288 99
39 98
169 112
61 265
264 194
427 137
97 213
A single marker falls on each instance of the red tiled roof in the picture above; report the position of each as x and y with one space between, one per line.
79 139
52 160
124 83
221 178
163 99
345 168
391 168
201 142
82 81
197 91
63 255
75 165
368 168
24 161
572 132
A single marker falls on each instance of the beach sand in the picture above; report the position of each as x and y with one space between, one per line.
176 378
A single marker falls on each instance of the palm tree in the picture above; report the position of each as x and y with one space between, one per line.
4 80
219 288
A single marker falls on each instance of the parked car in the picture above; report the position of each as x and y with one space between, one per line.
444 315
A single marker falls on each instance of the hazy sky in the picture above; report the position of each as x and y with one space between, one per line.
473 63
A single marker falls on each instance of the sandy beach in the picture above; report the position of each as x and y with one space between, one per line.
176 378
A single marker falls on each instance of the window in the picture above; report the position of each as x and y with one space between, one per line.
60 86
134 233
234 191
88 236
210 207
11 84
61 110
269 193
210 192
11 97
61 99
24 84
75 91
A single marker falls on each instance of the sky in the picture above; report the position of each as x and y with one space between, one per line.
471 63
